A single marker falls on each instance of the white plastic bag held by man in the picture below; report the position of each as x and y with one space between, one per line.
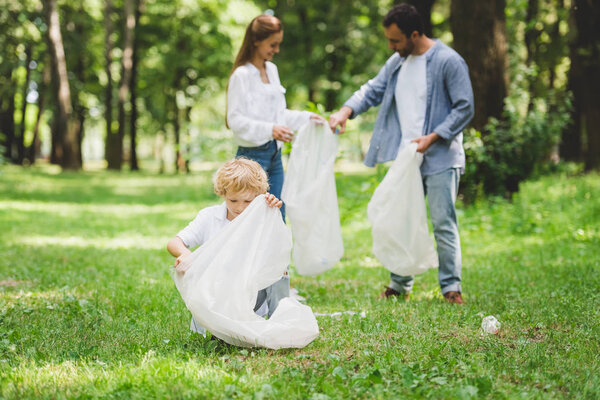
310 198
219 282
401 240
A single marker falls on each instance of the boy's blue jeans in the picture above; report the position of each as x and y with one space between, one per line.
441 190
269 157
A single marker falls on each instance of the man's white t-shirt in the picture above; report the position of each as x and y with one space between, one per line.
411 97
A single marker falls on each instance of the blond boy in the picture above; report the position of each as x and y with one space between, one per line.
239 182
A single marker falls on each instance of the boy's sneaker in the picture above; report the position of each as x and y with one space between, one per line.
389 292
453 297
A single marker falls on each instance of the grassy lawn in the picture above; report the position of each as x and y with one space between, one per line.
87 307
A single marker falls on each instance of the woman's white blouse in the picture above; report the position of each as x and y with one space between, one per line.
253 107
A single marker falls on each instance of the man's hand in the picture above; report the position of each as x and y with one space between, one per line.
424 142
340 118
273 201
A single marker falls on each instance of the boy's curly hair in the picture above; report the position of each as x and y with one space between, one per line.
240 175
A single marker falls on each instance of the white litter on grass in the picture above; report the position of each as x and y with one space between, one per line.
490 325
338 314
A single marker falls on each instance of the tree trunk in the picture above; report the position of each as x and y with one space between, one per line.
33 150
586 59
125 87
78 107
21 142
480 37
108 48
188 152
179 162
7 116
66 125
134 113
531 37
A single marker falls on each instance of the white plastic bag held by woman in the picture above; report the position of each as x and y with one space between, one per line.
397 212
220 280
311 200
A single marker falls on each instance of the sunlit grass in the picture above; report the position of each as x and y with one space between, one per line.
87 307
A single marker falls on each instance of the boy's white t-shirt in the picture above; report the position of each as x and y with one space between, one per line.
208 222
411 97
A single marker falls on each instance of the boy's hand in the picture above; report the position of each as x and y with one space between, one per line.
178 259
273 201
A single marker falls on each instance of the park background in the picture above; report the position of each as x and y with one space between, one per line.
112 122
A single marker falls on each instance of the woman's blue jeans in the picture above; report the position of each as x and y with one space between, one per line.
269 157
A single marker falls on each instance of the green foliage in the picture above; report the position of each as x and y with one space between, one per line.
329 48
537 110
513 149
88 310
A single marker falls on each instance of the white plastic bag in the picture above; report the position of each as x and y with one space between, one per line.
311 200
397 212
220 280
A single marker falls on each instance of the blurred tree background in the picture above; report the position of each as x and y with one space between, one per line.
130 84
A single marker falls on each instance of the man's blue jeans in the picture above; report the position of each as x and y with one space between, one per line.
441 190
269 157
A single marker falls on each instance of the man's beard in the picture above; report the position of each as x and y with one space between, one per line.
407 50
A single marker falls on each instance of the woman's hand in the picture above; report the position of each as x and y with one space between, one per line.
273 201
282 133
318 119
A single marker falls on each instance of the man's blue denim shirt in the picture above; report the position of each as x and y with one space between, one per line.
449 109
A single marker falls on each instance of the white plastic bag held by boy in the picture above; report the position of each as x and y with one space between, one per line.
311 200
401 240
220 280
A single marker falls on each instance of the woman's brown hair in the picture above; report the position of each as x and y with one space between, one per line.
258 30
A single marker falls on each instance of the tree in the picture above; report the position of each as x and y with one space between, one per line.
329 47
582 139
116 152
133 161
180 67
108 50
65 123
19 38
480 38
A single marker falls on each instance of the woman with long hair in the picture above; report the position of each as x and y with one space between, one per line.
258 116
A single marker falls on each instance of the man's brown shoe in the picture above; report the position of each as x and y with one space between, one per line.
389 292
453 297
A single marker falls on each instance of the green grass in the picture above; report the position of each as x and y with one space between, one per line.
87 307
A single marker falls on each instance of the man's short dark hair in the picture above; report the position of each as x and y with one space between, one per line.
406 17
